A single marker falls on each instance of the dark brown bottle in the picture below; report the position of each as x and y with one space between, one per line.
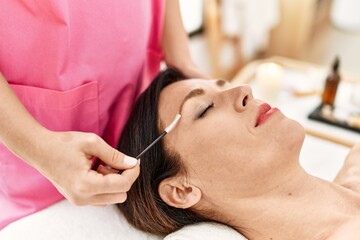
331 84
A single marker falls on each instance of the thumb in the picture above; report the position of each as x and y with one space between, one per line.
121 161
111 156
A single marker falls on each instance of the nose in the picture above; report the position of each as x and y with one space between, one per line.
239 96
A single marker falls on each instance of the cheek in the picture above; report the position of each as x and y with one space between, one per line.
220 155
217 150
287 137
217 141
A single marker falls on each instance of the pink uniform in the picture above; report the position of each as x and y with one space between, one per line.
76 65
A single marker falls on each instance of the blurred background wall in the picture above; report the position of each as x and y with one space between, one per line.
225 35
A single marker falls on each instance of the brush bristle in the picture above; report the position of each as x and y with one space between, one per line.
173 124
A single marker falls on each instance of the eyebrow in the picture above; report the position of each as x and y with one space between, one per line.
198 92
193 93
220 82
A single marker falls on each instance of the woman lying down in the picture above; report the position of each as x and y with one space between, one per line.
231 159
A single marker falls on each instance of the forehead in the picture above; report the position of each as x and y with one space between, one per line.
172 96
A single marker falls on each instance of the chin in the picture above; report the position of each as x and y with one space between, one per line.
294 135
283 139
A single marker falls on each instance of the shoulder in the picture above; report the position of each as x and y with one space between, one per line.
349 174
349 230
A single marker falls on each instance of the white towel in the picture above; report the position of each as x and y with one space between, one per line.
208 231
64 221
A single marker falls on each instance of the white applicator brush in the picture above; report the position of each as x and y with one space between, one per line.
167 130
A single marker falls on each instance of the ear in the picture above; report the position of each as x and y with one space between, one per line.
179 194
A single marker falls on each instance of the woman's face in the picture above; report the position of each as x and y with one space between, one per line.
228 141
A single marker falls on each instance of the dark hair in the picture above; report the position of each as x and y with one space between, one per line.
144 208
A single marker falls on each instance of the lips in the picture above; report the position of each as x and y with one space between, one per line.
265 112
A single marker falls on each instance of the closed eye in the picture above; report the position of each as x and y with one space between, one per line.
203 113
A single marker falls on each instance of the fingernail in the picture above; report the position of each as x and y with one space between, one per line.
139 161
129 161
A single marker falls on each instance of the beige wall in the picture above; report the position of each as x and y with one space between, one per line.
300 20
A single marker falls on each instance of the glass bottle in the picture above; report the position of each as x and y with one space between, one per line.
331 84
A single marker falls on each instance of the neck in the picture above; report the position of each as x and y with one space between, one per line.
298 206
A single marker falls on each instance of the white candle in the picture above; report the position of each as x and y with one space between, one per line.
268 80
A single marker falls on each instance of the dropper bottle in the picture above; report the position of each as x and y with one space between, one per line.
331 84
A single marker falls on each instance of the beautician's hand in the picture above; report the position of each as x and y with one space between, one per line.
67 160
192 71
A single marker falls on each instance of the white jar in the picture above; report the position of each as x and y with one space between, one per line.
345 14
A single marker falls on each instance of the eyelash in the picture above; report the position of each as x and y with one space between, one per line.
203 113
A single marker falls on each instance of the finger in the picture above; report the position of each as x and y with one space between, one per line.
106 170
113 183
112 157
121 161
132 174
105 199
